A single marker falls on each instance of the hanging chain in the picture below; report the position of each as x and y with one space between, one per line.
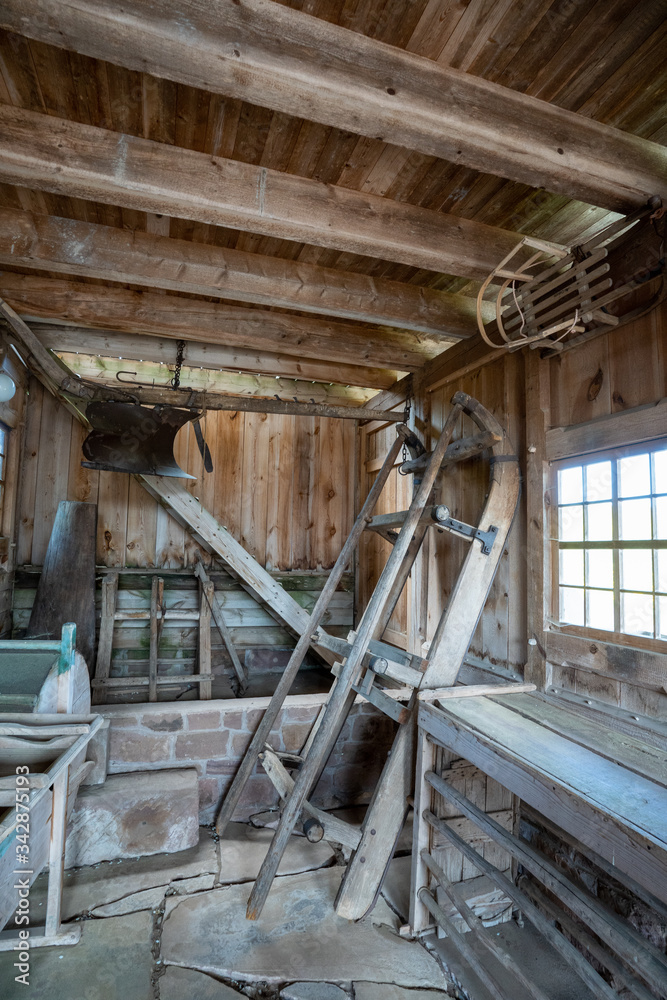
406 417
180 351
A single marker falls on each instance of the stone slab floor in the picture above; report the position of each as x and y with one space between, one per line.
173 927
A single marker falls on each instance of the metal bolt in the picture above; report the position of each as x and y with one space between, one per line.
362 860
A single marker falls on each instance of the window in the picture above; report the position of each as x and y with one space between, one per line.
611 541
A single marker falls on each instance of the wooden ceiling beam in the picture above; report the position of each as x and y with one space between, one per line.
162 350
83 161
56 244
180 318
280 58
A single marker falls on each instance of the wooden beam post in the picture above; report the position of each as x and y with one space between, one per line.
537 557
270 55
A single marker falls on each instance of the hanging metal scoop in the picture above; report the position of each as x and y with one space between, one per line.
130 438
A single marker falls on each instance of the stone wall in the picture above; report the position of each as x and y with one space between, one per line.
212 737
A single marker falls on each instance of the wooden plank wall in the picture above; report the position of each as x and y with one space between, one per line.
500 637
633 363
283 485
11 415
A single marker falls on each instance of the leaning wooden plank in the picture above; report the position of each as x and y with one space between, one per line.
205 639
287 60
211 535
105 641
138 258
77 160
223 629
157 601
66 588
335 829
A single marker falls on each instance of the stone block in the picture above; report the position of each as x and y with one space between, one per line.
135 814
231 720
204 720
313 991
170 722
294 735
131 747
201 746
178 983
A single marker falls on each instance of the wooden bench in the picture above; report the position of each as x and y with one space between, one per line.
607 790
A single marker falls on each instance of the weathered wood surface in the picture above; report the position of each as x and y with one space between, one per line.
216 323
66 591
641 667
239 679
156 261
567 782
292 61
82 161
641 423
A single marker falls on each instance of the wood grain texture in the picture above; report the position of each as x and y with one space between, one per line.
299 64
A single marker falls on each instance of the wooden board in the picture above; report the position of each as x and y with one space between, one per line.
66 590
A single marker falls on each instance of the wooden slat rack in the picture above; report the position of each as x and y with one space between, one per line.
209 609
605 793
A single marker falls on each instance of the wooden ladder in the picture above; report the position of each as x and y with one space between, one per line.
366 662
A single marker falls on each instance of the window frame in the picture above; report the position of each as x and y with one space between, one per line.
613 453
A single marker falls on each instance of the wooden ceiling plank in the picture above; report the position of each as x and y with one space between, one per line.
104 369
168 315
153 347
67 158
102 252
270 55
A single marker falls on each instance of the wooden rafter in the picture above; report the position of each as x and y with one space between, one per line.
83 161
215 323
55 244
273 56
284 368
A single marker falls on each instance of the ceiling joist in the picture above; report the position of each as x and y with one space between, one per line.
83 161
162 350
84 249
292 62
182 318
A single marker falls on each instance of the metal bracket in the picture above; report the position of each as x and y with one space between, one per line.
487 538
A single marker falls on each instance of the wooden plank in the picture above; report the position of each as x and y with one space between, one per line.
66 588
105 641
156 619
110 370
82 161
205 639
620 663
29 473
273 56
214 538
642 423
537 517
154 347
52 243
576 809
627 751
217 323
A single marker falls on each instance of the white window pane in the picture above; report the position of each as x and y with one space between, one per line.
600 568
662 618
660 471
572 605
571 524
570 485
660 517
634 476
598 522
598 481
572 567
661 577
637 614
634 519
600 609
636 569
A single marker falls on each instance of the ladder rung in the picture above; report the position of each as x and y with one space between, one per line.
396 671
396 657
382 522
458 451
